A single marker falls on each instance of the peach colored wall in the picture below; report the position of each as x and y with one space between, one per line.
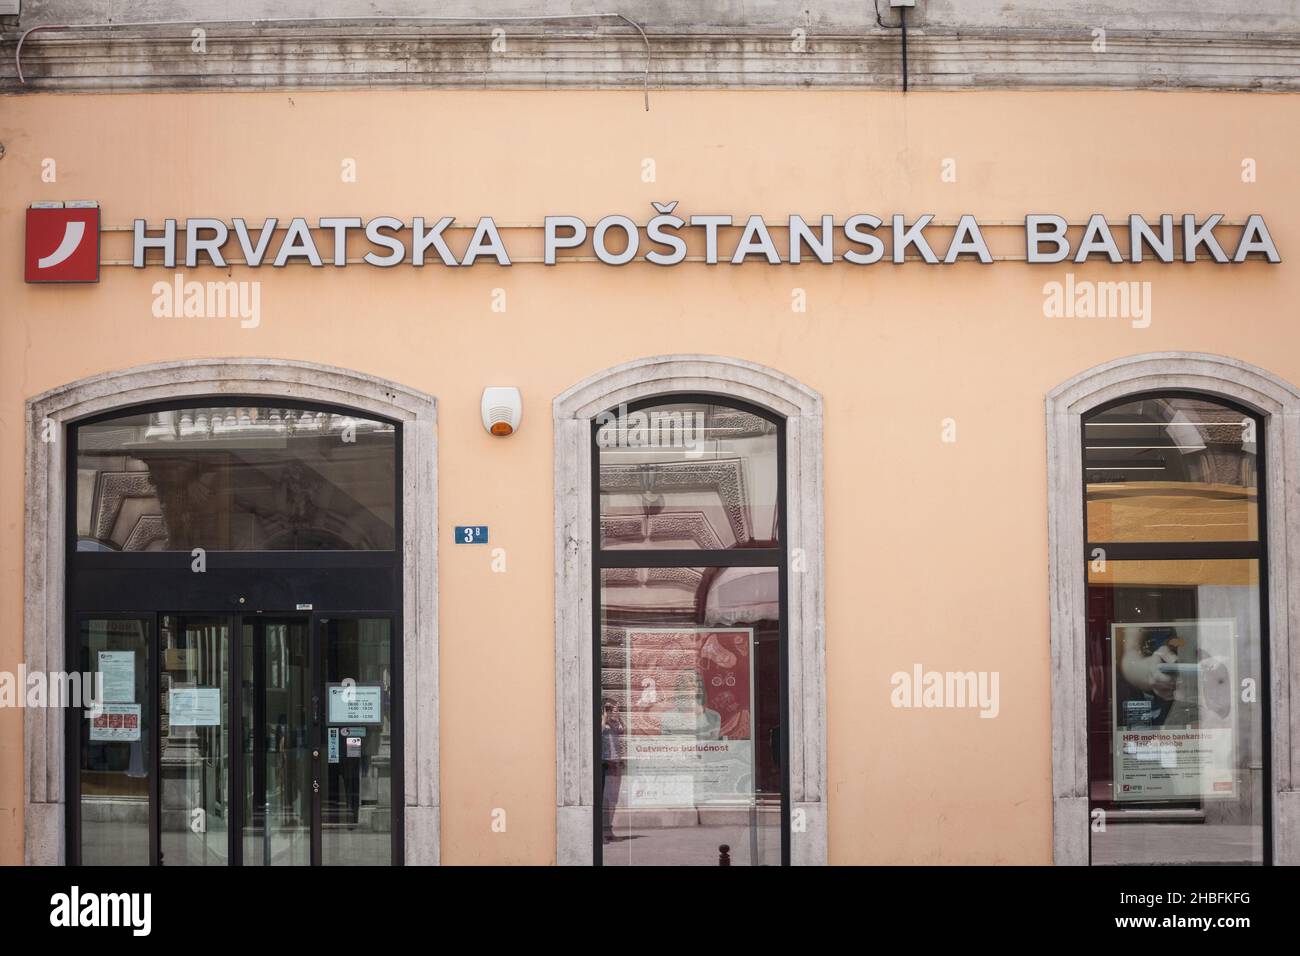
936 553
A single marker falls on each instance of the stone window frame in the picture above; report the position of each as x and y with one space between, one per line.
44 798
573 412
1216 376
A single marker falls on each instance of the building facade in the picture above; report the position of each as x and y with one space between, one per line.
906 466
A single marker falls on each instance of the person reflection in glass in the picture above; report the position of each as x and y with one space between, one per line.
611 735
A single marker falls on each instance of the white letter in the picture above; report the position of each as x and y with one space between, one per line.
853 233
755 240
711 224
1035 236
396 250
421 240
1194 237
341 227
1255 238
629 230
211 246
1139 232
297 242
800 233
1097 238
966 239
166 242
553 242
913 235
253 255
486 241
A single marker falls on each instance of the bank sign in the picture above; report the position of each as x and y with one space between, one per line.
63 241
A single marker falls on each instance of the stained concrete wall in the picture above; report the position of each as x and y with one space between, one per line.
756 43
744 16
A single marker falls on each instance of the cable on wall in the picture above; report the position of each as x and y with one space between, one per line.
901 25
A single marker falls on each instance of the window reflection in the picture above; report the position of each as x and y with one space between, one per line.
1171 469
690 716
234 479
693 476
1176 755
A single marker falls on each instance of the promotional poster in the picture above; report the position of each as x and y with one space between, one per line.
1178 740
691 734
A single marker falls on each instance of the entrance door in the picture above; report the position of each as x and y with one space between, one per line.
279 740
275 740
318 741
356 763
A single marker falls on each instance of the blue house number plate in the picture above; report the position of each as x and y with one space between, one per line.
471 534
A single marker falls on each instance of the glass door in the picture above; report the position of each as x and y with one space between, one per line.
194 731
262 740
112 822
279 738
356 807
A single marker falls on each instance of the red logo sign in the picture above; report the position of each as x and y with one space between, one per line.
63 244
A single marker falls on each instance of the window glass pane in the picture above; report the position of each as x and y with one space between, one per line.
236 479
1176 746
195 735
115 744
276 703
687 476
690 725
1171 469
357 792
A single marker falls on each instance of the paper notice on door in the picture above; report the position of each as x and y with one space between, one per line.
196 706
334 745
355 703
117 671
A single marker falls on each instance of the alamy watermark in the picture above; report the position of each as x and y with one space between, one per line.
652 429
179 299
37 689
1085 299
946 689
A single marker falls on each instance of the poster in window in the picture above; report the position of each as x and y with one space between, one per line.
689 706
1174 710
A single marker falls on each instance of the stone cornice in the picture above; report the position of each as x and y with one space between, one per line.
615 57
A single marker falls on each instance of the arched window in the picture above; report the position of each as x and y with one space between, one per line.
690 633
242 551
1172 484
1176 661
689 620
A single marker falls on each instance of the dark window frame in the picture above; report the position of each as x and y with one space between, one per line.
1200 550
778 558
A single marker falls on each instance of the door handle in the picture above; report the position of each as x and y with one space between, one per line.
316 754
